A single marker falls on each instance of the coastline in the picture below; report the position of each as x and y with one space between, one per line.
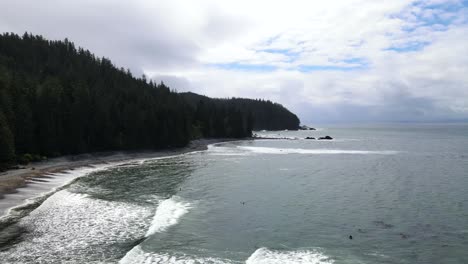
14 182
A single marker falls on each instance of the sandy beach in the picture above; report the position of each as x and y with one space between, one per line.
38 173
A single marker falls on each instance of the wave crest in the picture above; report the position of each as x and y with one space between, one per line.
267 256
167 214
138 255
265 150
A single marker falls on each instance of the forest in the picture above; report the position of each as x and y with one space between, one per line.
266 115
58 99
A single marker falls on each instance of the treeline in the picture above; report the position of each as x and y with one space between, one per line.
57 99
264 114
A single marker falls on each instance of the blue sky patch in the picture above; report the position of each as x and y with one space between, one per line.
235 66
362 62
437 16
409 47
287 52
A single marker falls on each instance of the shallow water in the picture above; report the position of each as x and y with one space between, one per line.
399 190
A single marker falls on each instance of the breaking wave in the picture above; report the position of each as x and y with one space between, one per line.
25 200
74 227
267 256
265 150
138 255
168 214
260 256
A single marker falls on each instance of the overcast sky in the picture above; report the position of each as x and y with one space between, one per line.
327 61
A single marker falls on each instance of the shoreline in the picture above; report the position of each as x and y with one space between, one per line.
15 182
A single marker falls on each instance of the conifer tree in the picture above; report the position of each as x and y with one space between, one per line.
7 147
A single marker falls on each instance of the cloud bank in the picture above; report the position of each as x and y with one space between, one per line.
328 61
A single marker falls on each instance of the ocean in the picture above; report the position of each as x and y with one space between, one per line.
400 191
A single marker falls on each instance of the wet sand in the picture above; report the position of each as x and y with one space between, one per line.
18 185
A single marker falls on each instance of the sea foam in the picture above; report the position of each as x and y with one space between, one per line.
275 136
74 227
138 255
41 188
167 214
260 256
265 150
267 256
225 151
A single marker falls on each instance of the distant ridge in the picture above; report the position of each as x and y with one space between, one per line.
266 115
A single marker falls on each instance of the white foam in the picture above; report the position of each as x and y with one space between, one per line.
265 150
267 256
168 214
225 151
274 136
260 256
36 190
74 227
137 255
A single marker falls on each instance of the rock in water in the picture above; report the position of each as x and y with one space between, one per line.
304 127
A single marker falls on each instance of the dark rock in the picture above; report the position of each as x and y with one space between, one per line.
309 138
304 127
325 138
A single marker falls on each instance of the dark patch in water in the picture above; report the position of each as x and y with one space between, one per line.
403 236
10 235
383 225
129 245
137 242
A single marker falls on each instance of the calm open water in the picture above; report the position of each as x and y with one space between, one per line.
400 191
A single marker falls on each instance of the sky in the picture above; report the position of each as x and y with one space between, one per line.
328 61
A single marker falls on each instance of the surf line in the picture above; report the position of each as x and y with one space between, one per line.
167 214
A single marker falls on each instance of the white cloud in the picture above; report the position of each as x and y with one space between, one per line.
379 60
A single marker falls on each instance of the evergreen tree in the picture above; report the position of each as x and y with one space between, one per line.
56 99
7 144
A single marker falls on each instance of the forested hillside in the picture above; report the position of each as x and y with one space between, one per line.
58 99
264 114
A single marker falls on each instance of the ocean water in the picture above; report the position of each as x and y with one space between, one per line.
400 191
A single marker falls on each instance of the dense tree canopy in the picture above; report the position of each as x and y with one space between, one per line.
265 115
57 99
